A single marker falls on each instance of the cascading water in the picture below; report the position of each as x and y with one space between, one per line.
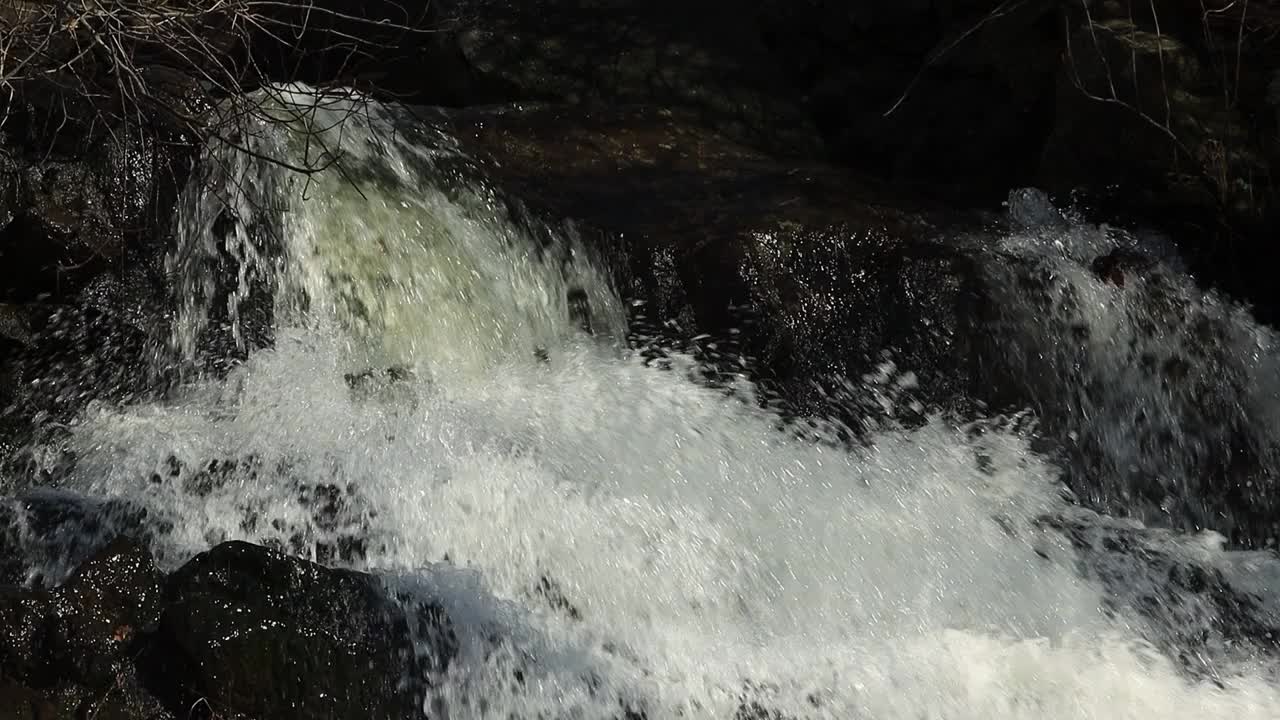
1168 395
393 246
607 537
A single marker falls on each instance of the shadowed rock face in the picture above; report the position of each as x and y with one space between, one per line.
958 99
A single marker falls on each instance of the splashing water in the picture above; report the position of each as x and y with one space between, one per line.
391 245
1169 395
635 541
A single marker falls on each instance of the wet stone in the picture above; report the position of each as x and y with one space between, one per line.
101 611
66 653
126 699
249 631
24 628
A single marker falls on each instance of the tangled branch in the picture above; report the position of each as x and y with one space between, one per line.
119 75
123 65
1232 29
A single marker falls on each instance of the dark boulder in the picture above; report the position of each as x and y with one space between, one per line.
250 632
101 611
806 270
82 292
45 535
67 652
24 625
81 631
72 214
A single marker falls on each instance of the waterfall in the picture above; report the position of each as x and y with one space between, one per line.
607 536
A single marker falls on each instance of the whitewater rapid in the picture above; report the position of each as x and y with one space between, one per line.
607 536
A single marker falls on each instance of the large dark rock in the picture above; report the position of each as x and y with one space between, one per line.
82 294
72 214
80 631
250 632
803 268
102 610
240 631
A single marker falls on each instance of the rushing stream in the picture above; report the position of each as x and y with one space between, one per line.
611 537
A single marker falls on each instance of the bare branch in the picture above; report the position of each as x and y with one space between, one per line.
939 52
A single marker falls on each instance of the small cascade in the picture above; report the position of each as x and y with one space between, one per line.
384 237
1165 396
414 394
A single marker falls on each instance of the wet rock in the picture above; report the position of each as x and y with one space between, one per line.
65 204
804 270
24 626
252 632
77 355
80 631
77 214
67 653
86 210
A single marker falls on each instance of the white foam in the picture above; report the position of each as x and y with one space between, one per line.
702 548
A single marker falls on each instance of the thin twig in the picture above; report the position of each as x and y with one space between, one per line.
1003 9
